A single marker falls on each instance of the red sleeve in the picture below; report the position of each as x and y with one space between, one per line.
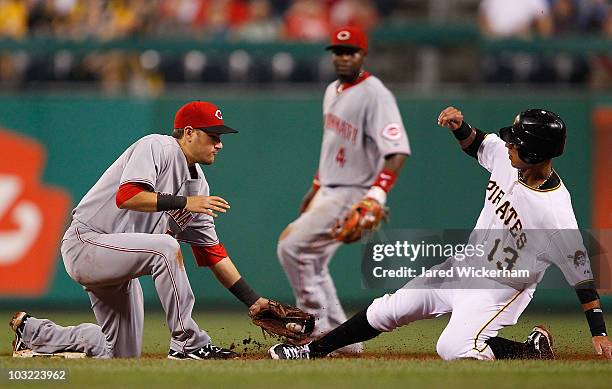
127 191
209 256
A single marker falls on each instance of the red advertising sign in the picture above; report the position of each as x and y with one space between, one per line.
32 218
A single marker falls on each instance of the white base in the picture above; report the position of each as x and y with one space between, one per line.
33 354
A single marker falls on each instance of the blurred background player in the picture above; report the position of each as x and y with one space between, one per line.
363 149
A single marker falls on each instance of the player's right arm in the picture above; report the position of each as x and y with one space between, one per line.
469 138
136 191
488 149
314 188
146 201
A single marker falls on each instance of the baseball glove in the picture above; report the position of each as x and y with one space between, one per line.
364 216
285 320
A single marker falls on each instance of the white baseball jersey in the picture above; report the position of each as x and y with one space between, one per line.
158 162
362 124
526 228
521 228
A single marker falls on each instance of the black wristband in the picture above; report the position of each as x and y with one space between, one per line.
463 132
596 322
170 202
243 292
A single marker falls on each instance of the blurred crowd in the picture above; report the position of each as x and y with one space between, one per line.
253 20
206 20
526 19
146 72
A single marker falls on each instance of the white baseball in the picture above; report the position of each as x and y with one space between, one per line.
294 327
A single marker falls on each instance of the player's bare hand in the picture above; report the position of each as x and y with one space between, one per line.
207 204
258 306
603 346
450 118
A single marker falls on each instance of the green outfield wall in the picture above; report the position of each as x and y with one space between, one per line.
265 169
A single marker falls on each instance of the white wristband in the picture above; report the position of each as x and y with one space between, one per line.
377 193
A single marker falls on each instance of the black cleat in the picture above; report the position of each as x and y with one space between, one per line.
541 340
207 352
289 351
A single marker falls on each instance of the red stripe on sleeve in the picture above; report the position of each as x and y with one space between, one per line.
127 191
209 256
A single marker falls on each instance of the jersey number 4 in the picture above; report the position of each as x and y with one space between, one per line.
340 157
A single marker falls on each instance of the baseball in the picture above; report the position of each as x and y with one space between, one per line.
294 327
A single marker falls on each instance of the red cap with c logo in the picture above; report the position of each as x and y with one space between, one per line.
201 115
349 36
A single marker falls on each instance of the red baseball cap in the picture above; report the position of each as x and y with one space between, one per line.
201 115
349 36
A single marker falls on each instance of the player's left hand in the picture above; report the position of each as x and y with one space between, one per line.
603 346
258 306
365 216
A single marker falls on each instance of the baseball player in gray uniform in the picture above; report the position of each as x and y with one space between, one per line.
527 223
364 146
128 225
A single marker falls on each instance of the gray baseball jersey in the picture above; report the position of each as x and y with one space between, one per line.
158 162
362 125
106 249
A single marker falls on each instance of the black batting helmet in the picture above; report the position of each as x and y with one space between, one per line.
538 135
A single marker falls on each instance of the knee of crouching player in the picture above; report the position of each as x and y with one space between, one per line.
168 246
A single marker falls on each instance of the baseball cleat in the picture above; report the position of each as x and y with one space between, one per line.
289 351
541 340
209 351
20 350
17 324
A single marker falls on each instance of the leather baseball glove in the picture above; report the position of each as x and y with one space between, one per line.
364 216
285 320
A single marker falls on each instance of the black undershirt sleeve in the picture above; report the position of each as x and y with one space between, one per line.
472 150
586 292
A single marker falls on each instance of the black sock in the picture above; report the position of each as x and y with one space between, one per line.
354 330
509 349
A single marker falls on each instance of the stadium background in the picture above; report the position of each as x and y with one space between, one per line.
85 91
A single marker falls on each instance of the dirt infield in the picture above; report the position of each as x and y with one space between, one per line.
258 355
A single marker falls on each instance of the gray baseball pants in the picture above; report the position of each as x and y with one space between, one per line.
305 249
108 267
